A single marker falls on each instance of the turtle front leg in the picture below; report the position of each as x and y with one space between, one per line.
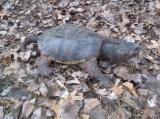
43 66
94 72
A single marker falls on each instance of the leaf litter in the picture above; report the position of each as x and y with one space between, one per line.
70 93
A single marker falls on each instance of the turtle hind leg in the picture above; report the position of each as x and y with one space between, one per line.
30 38
44 66
94 72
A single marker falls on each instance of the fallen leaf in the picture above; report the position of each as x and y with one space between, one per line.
6 91
57 109
74 97
157 67
129 39
89 104
43 89
133 77
108 16
117 89
28 108
6 58
148 113
79 74
84 116
97 113
105 32
33 87
120 71
13 67
102 91
70 110
37 114
112 96
130 102
154 45
49 113
45 102
17 92
130 87
158 5
1 112
64 93
23 55
153 101
75 81
143 92
158 77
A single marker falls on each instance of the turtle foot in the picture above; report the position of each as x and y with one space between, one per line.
45 71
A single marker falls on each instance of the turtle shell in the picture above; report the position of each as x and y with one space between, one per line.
70 44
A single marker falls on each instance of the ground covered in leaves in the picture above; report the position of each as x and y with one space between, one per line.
69 93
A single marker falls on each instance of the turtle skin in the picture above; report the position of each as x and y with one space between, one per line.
70 44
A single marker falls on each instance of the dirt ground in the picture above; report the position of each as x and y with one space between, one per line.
70 93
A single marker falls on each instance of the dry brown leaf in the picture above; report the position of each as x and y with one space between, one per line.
89 104
84 116
1 112
117 89
37 114
105 32
70 110
71 98
57 109
43 89
2 13
130 87
108 16
120 71
45 102
28 108
102 92
6 91
158 5
154 45
20 73
130 102
49 113
148 112
12 68
75 81
23 55
148 57
133 77
79 74
74 97
33 87
6 58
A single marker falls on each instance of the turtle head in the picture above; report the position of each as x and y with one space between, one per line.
121 52
127 50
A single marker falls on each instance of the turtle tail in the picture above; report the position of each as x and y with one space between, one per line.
30 38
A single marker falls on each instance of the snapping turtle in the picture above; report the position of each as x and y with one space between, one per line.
71 44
